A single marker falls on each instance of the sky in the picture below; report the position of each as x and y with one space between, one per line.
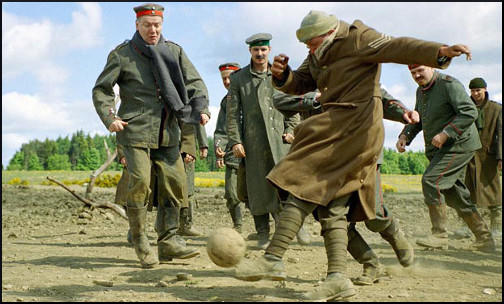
53 52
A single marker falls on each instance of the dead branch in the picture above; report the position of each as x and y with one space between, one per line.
99 171
118 209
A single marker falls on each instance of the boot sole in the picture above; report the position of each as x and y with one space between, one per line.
181 257
147 266
339 296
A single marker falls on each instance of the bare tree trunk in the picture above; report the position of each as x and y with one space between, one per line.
99 171
118 209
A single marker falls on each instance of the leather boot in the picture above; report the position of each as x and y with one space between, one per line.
362 253
402 248
236 216
267 266
170 244
439 237
136 218
303 237
484 240
496 220
261 223
186 217
335 287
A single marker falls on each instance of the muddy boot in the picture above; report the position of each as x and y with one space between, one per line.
263 229
484 240
186 222
335 287
136 218
402 248
496 220
267 266
463 232
170 244
236 216
362 253
439 237
303 237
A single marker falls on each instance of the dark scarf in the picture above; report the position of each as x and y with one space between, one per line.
170 80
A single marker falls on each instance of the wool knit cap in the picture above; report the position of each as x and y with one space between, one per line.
315 24
477 83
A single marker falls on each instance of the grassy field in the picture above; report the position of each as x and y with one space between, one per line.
403 183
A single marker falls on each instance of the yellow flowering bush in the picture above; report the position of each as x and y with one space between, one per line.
208 182
107 180
18 181
388 189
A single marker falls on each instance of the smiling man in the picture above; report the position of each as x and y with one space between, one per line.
447 117
160 90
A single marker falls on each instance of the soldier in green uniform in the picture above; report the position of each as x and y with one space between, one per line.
261 136
482 176
224 154
331 165
384 223
447 120
160 89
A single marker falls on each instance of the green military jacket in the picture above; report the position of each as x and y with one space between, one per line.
221 138
260 131
444 106
141 105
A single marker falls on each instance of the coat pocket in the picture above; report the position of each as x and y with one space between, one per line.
129 115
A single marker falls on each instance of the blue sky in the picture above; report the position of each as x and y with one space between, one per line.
53 52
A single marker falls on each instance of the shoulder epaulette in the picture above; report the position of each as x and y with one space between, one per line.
499 104
124 43
447 78
169 41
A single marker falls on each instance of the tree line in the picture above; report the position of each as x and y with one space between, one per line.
85 152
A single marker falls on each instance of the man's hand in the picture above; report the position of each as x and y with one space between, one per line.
219 153
280 63
123 162
411 117
239 151
455 50
288 138
117 126
220 163
204 119
203 152
401 144
439 140
188 158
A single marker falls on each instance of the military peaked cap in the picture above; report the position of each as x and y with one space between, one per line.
229 66
259 39
149 9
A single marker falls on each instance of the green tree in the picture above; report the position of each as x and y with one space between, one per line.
89 160
78 144
17 162
34 163
63 145
58 162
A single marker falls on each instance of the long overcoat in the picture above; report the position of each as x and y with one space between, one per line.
335 153
482 175
260 131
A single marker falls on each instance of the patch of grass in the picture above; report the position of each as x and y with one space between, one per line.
403 183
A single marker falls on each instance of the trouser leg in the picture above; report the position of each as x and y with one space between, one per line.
231 196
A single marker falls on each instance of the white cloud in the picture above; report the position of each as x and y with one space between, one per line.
212 123
26 113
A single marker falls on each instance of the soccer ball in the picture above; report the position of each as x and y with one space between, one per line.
226 247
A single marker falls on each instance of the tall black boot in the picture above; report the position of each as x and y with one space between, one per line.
261 223
136 218
236 216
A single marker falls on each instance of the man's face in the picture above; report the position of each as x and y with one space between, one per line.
260 54
422 74
314 43
226 80
150 28
478 94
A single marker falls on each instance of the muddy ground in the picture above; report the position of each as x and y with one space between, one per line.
49 253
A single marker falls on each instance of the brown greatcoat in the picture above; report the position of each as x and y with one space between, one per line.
482 175
335 153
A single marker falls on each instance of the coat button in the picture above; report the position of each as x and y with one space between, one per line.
362 181
324 67
325 89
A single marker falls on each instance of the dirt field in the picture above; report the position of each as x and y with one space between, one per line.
49 253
